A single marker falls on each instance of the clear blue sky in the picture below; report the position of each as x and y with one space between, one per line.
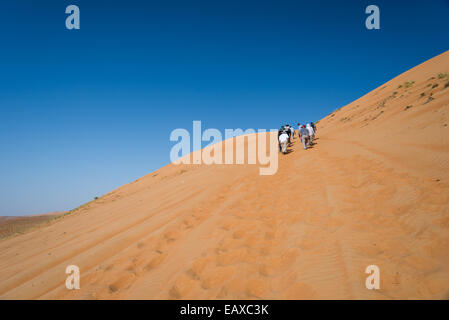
85 111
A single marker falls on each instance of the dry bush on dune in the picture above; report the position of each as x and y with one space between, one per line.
408 84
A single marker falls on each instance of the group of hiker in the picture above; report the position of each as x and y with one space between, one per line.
286 134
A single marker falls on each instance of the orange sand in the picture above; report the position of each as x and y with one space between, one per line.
373 190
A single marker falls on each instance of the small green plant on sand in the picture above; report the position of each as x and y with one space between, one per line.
408 84
443 75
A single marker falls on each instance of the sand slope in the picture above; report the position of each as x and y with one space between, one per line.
373 190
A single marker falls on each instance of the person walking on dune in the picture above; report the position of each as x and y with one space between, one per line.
311 133
304 136
293 132
288 132
283 142
280 131
313 127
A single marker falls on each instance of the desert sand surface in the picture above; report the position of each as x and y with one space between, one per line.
374 189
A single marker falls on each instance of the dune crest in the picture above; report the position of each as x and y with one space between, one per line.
373 190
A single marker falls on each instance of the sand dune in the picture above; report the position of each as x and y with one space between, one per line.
373 190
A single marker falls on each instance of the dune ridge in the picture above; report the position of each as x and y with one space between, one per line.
373 190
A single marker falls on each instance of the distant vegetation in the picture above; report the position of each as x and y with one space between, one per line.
382 104
408 84
443 75
17 225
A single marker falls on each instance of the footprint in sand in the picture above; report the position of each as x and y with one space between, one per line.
198 266
217 276
171 234
181 287
258 288
124 282
232 257
276 265
300 291
155 261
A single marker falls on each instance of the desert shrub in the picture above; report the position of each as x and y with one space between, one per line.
407 107
408 84
443 75
435 85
